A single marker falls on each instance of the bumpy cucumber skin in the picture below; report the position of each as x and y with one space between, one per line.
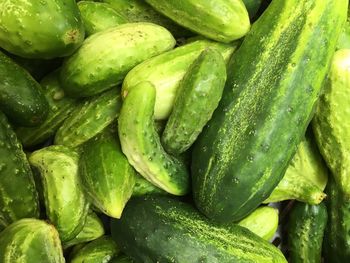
21 97
166 71
89 119
330 123
65 202
99 16
196 99
108 178
141 143
18 196
144 187
245 149
40 29
106 57
162 229
225 20
30 240
60 107
252 6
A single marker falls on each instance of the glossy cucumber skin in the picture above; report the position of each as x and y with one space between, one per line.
196 99
18 196
141 143
99 16
106 57
305 232
89 119
265 109
225 20
163 229
60 107
65 202
30 240
165 72
37 29
21 97
108 179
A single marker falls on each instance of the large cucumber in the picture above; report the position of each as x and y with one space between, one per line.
225 20
18 196
141 143
40 29
166 71
104 58
274 80
162 229
65 203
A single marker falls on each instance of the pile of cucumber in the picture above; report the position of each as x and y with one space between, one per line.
163 131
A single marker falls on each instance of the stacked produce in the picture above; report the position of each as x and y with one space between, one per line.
169 131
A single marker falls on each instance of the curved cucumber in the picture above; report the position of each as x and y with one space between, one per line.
89 119
30 240
66 205
141 144
21 97
166 71
108 179
196 99
106 57
144 187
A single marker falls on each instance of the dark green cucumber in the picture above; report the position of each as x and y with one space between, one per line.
18 196
99 16
225 20
65 202
141 143
163 229
108 179
144 187
30 240
197 97
305 232
89 119
122 259
21 97
252 6
274 80
60 107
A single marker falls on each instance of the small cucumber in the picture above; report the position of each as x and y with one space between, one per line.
89 119
65 203
106 57
141 143
144 187
305 232
197 97
99 16
108 179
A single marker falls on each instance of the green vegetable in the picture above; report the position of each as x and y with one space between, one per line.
252 6
122 259
144 187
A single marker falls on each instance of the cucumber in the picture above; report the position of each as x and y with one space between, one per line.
21 97
243 152
65 203
104 58
89 119
263 222
166 71
18 196
305 232
252 6
162 229
40 29
99 16
122 259
60 107
144 187
225 20
329 125
197 97
344 38
141 143
108 179
30 240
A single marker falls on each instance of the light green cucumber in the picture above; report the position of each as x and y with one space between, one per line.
144 187
166 71
344 38
141 143
106 57
65 202
89 119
